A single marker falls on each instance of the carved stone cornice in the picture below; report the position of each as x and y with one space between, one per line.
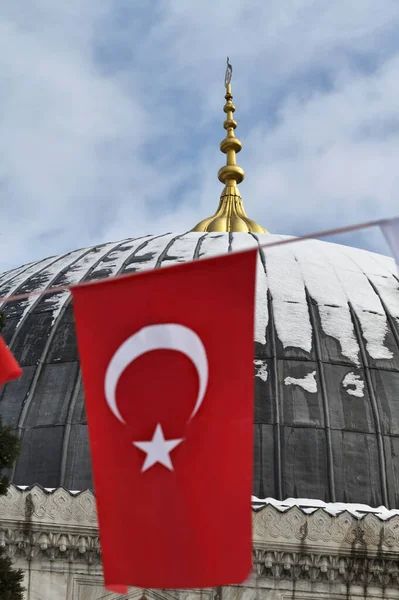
289 544
51 546
319 531
37 506
326 568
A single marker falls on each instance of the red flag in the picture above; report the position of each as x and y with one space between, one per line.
167 363
9 368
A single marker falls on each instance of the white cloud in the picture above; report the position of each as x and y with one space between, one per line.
332 157
110 117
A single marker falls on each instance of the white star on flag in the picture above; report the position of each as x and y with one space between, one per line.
391 231
157 450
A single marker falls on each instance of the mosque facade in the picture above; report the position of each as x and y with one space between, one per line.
325 499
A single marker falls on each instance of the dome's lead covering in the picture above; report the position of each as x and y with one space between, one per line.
230 215
326 365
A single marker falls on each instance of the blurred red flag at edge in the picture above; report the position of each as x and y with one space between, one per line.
9 368
173 492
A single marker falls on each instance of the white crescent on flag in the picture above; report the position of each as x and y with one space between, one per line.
167 336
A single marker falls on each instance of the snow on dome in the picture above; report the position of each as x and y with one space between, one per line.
261 369
326 364
351 379
309 506
308 382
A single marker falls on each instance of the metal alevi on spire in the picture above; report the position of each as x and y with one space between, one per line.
230 215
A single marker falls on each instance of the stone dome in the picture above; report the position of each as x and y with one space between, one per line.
326 364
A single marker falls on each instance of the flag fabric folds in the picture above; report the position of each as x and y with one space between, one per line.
391 231
167 364
9 368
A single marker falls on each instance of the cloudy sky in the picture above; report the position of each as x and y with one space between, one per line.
111 117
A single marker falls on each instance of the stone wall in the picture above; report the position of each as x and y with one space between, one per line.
298 553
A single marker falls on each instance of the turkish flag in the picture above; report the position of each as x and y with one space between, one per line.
9 368
167 363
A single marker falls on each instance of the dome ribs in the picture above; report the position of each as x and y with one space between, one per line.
385 289
116 258
324 395
290 342
277 437
39 369
118 269
212 244
353 269
31 271
230 248
137 262
164 254
374 406
278 474
67 430
9 276
35 300
390 321
197 249
389 452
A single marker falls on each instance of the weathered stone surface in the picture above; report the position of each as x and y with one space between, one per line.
53 536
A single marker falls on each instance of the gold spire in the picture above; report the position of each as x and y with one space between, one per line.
230 215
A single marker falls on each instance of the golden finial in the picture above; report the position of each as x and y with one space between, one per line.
230 215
